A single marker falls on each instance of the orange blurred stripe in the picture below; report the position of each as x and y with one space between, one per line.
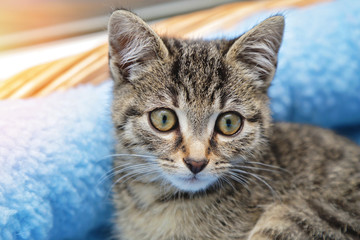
91 66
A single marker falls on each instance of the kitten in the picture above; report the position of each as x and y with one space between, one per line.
198 155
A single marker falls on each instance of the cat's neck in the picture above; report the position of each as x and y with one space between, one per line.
145 195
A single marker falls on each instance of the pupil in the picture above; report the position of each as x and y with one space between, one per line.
164 119
228 123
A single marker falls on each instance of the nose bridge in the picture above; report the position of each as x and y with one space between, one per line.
198 116
196 149
196 135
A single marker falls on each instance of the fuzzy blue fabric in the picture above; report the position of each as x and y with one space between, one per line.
54 150
53 153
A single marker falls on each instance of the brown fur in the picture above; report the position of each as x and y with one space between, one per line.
273 181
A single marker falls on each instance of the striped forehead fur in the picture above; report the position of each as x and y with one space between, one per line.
197 80
197 70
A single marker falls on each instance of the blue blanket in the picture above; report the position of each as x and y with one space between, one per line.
55 151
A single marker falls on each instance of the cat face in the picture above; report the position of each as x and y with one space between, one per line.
196 109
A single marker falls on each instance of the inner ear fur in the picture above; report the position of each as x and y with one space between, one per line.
132 43
258 48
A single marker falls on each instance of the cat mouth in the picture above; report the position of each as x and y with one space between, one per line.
191 179
191 183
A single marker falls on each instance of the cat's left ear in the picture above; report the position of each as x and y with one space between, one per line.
132 44
257 50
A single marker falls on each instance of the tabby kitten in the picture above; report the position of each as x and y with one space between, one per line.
198 155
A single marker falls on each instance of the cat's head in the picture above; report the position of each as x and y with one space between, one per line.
199 108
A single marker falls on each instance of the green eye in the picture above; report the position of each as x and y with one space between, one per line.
228 123
163 119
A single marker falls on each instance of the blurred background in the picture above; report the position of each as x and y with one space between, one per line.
34 32
27 22
53 45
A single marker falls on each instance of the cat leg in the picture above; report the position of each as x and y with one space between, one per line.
307 219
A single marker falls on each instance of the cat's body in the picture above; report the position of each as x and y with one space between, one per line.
213 166
320 199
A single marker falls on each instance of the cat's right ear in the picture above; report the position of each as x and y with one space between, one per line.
257 50
132 44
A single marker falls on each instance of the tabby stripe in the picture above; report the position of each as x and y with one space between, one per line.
178 44
345 207
212 96
332 220
132 111
217 45
174 95
128 144
176 67
120 127
178 142
146 137
168 166
167 159
195 84
187 93
275 234
307 228
213 144
255 118
219 85
224 97
222 72
211 65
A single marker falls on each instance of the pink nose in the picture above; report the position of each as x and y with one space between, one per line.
195 166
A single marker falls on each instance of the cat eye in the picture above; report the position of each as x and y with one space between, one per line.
228 123
163 119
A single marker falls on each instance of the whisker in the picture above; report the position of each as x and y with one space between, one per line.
130 175
133 165
260 179
269 166
125 155
117 167
143 175
117 181
257 168
224 178
240 179
122 169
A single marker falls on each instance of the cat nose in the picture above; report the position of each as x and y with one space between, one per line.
195 166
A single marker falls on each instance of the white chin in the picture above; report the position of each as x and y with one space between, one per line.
192 183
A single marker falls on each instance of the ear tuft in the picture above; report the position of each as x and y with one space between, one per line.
132 43
258 49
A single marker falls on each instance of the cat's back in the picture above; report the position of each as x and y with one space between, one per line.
316 157
302 136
